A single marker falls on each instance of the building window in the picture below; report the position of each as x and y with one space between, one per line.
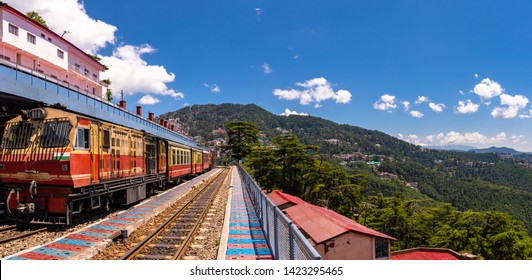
60 54
13 29
31 38
381 248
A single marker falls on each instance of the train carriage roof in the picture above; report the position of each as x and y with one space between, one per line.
118 116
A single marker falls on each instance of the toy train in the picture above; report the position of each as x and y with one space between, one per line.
56 165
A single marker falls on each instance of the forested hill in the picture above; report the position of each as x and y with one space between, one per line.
203 119
467 180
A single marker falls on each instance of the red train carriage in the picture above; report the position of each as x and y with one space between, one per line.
179 161
197 161
207 160
56 164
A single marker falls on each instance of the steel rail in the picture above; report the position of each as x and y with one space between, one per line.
23 235
181 250
132 254
8 228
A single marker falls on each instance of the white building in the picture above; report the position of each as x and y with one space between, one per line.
35 49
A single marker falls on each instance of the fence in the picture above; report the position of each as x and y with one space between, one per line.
286 241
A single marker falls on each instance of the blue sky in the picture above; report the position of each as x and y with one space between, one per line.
429 72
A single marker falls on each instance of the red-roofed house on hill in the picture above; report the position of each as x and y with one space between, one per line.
334 236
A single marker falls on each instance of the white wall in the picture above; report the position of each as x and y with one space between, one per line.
45 48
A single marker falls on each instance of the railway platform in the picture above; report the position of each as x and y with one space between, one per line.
243 237
85 243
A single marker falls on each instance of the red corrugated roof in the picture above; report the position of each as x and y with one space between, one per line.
280 198
323 224
423 255
319 222
349 224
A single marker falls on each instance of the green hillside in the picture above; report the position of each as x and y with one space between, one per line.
466 180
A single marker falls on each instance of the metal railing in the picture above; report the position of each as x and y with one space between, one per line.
285 239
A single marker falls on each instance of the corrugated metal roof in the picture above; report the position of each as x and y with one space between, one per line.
279 198
322 224
424 255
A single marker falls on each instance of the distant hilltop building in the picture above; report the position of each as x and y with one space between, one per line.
30 47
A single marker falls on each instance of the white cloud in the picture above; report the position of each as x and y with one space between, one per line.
476 76
488 89
438 108
457 138
406 104
288 112
214 87
266 68
85 32
461 92
258 11
342 96
416 114
467 107
130 73
513 105
422 99
385 103
518 139
314 90
127 71
148 100
526 115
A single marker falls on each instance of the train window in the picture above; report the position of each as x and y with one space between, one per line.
55 134
106 139
18 136
82 138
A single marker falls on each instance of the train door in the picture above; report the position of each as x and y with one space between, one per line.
94 153
162 152
191 157
105 156
150 155
116 154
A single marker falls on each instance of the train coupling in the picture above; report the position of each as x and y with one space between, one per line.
26 208
22 208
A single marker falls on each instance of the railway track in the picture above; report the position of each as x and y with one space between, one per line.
169 241
12 233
